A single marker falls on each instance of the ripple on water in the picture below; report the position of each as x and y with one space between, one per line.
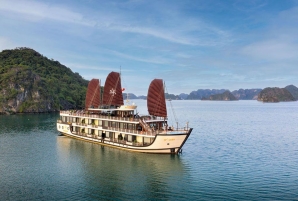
237 151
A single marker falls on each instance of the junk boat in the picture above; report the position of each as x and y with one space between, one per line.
109 122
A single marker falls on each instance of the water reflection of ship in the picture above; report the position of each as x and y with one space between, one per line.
114 173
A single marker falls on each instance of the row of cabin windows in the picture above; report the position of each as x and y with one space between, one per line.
129 138
121 125
111 135
105 123
78 120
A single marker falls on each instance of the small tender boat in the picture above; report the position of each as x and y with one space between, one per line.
108 121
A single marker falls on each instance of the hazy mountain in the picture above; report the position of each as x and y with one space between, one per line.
246 94
183 96
204 93
293 90
130 96
226 96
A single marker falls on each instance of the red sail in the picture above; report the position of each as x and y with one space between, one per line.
113 90
156 102
93 94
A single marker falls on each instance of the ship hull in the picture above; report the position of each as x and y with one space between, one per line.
162 143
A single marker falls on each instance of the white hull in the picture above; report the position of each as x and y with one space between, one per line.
161 143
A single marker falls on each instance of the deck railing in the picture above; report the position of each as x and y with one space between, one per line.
130 118
115 140
79 114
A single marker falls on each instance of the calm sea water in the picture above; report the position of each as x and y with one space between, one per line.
243 150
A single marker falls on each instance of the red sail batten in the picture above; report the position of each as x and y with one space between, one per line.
113 90
93 94
156 102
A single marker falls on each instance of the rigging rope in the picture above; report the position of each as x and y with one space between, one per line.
172 108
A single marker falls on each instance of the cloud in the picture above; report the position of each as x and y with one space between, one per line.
36 11
155 60
191 32
278 42
88 67
271 50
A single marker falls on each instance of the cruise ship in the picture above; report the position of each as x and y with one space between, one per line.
107 121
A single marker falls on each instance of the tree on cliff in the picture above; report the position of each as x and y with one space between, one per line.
30 82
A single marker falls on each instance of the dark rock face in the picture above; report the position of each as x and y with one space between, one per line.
31 83
226 96
275 94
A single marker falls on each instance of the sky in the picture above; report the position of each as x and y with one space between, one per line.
190 44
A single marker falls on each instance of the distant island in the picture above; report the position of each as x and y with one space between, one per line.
241 94
225 96
32 83
275 94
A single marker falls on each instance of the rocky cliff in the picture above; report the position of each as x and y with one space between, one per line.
275 94
30 82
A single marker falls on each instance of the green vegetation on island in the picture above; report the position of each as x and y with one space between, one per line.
275 94
30 82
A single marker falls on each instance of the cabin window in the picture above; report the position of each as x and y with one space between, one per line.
99 133
117 124
124 125
100 123
113 124
129 138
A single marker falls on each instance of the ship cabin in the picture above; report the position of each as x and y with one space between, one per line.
121 125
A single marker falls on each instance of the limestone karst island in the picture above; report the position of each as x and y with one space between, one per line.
32 83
